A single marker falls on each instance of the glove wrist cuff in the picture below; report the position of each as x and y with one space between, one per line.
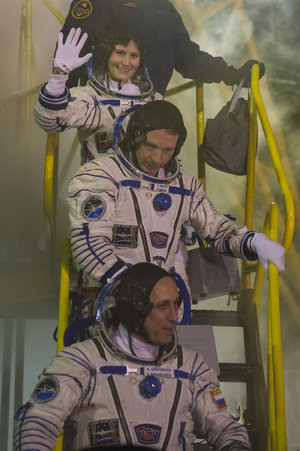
249 253
61 65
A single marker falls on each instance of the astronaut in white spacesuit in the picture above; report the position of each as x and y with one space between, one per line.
117 81
133 384
129 207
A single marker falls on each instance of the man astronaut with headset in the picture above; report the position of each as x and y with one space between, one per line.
133 384
129 207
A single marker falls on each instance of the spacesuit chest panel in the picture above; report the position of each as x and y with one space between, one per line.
149 207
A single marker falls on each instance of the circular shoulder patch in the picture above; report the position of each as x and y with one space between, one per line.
93 208
46 389
82 9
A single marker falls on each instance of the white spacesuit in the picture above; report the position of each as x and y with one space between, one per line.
121 216
117 81
116 398
92 109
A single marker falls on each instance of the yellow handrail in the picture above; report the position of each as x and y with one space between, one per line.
249 200
63 310
59 16
260 273
63 313
277 382
288 200
50 162
180 88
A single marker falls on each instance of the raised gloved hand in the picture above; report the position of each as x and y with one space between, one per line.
67 54
268 251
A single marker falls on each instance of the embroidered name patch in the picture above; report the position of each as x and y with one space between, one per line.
159 239
147 434
46 389
82 9
218 398
93 208
125 235
104 432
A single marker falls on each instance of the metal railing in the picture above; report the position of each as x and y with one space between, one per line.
277 425
277 422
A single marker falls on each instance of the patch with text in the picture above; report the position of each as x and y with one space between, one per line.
147 434
82 9
93 208
104 432
46 389
159 239
125 235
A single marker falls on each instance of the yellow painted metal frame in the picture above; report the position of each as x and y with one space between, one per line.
50 162
287 196
59 16
277 427
277 421
63 312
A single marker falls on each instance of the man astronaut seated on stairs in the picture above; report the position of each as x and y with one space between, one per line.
129 207
132 384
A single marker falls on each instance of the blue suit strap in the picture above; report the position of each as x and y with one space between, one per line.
132 183
113 102
179 190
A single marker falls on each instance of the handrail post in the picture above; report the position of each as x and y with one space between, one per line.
63 313
274 306
200 131
49 183
282 179
250 183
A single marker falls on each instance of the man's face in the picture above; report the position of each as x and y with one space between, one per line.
124 62
156 151
160 324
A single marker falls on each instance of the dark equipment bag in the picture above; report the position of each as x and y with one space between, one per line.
226 137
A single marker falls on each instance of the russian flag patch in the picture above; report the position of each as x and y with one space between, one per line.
218 398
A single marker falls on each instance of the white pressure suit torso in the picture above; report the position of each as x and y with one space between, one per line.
101 387
120 216
92 109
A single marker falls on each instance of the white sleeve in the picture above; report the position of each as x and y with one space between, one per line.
92 198
215 228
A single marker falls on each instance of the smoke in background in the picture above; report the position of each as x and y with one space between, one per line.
29 276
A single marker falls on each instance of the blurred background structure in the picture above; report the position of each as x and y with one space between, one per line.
237 30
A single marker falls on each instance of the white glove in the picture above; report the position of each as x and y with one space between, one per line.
268 251
67 54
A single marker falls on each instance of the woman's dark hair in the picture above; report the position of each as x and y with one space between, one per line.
117 33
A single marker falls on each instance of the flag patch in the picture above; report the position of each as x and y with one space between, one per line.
218 398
